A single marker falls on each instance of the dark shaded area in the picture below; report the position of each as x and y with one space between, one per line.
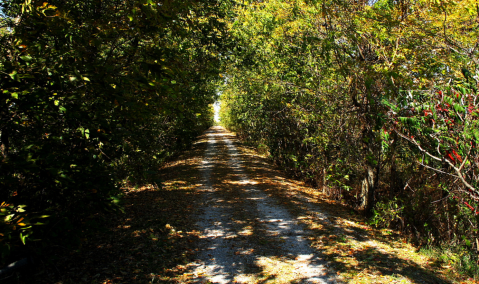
137 246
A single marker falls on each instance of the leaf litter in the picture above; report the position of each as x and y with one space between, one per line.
159 239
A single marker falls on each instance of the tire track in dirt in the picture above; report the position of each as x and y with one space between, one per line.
247 236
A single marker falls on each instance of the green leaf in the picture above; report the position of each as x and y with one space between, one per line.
23 237
458 108
13 75
26 57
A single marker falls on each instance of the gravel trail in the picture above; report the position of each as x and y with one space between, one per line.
248 236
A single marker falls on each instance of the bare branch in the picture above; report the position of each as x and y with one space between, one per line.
460 176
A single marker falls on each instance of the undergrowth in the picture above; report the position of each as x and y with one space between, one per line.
453 258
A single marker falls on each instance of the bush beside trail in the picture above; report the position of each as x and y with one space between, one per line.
371 103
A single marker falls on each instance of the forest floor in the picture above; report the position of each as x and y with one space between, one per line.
225 215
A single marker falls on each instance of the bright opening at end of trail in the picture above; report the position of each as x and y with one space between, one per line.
217 107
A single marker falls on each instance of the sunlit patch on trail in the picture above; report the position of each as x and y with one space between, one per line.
248 237
281 270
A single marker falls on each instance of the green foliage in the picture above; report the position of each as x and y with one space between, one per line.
458 257
387 213
442 126
96 93
16 225
377 99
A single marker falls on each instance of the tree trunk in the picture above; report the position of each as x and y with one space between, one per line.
368 188
4 143
323 185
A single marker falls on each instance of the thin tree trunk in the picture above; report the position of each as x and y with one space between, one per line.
364 193
4 143
323 185
367 189
372 177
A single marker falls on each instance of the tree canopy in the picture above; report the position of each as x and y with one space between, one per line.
374 102
95 94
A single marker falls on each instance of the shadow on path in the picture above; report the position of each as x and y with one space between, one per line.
248 236
258 230
348 245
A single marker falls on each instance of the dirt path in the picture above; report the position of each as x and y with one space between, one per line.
224 214
248 235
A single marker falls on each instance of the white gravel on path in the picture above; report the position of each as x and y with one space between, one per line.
230 256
